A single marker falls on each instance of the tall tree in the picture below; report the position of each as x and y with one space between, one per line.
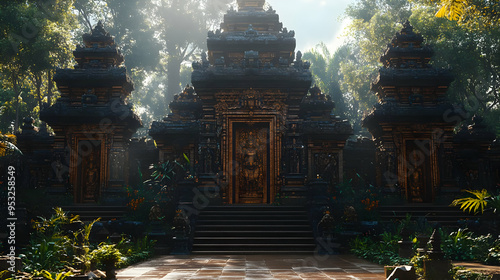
158 37
35 39
374 23
473 55
325 69
182 27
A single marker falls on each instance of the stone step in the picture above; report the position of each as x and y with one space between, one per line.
250 217
253 230
445 215
237 222
254 247
252 233
254 240
254 227
254 252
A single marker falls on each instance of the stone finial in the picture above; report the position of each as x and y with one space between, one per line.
99 29
251 4
435 252
28 126
407 27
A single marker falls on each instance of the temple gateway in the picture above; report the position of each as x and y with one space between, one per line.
253 122
264 149
255 128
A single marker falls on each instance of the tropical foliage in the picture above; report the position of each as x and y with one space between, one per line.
63 243
486 12
57 242
156 195
480 200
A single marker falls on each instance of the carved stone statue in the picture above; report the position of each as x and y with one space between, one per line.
92 178
251 163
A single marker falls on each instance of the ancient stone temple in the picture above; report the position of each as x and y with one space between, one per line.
413 122
251 121
92 121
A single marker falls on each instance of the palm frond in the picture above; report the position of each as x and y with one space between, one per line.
474 203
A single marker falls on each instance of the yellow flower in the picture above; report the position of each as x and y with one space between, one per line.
3 148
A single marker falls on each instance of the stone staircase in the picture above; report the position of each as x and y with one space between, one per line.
253 230
90 212
443 215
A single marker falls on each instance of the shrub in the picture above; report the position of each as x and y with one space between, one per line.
493 257
106 255
464 246
459 273
383 252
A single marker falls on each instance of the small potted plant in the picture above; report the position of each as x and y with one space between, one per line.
107 256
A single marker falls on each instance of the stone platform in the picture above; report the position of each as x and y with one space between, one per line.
290 267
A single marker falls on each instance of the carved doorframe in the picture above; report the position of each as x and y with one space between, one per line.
428 167
232 168
91 140
251 106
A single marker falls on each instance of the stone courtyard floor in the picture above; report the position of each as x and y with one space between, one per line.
235 267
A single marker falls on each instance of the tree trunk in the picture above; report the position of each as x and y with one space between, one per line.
49 87
18 93
38 85
173 78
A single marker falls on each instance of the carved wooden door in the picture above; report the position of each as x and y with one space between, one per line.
419 176
89 171
251 157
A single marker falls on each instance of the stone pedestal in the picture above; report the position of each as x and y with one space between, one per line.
437 269
180 245
405 249
162 238
318 193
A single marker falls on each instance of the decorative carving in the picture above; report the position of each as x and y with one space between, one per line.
89 171
250 100
251 155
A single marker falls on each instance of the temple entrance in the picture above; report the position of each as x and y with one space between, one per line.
251 163
89 172
419 177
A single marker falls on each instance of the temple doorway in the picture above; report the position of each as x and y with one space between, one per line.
89 172
251 158
418 167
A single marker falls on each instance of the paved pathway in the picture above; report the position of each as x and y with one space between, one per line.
289 267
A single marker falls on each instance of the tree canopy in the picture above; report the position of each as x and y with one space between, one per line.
35 38
468 12
470 51
160 37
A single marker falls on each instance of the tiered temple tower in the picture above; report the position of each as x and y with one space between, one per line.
413 122
253 126
92 121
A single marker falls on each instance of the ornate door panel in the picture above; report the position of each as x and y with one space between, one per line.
418 171
251 162
89 171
